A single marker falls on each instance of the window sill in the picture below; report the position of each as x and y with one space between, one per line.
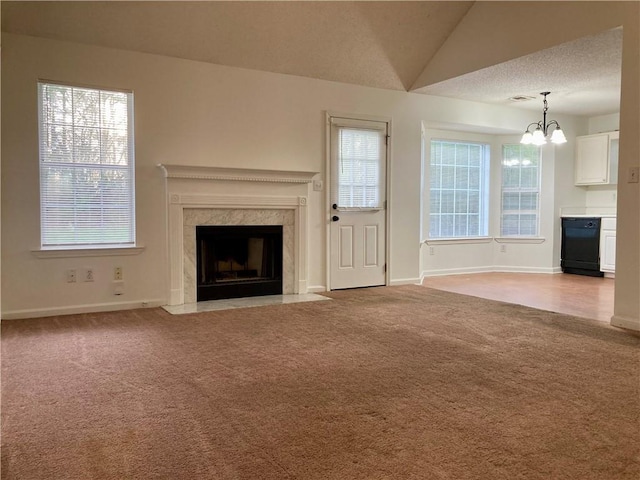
457 241
86 252
520 239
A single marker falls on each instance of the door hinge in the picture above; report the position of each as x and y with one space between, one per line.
385 268
386 139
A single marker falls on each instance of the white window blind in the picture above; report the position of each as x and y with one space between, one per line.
458 189
360 154
520 190
86 167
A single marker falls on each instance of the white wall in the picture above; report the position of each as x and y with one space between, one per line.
196 114
501 31
556 190
200 114
604 123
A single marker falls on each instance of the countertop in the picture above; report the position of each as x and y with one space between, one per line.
588 212
589 215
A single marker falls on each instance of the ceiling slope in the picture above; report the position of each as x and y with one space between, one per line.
583 77
495 32
481 51
377 44
504 49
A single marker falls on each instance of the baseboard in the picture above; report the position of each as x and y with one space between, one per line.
510 269
496 269
73 309
317 289
455 271
405 281
400 281
626 322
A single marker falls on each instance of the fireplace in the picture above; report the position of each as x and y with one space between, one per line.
238 261
218 196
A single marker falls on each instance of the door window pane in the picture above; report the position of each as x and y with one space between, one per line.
359 165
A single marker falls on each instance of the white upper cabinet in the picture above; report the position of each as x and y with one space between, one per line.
597 159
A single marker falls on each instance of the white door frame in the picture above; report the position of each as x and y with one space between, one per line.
328 185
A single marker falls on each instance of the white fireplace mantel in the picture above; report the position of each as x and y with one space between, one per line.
217 190
236 174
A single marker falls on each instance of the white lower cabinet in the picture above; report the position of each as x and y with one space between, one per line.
608 245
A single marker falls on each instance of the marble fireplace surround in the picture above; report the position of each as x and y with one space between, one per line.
207 196
193 217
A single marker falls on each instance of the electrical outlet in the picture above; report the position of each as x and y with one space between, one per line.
71 276
633 174
118 288
117 274
503 248
88 275
432 251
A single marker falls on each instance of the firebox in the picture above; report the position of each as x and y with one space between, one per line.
238 261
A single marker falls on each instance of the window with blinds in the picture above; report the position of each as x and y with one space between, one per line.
458 189
359 164
86 167
520 190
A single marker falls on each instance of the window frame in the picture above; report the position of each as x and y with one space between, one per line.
75 248
483 190
520 190
380 128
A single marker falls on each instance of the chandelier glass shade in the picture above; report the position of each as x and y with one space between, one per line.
540 129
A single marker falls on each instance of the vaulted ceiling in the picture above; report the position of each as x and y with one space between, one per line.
378 44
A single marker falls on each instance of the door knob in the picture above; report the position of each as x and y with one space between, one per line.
335 218
334 206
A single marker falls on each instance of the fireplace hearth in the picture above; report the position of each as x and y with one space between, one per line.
236 261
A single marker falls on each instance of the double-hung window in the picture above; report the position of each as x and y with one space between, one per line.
458 189
520 190
86 167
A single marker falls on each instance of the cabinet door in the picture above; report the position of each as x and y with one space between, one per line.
592 159
613 156
608 251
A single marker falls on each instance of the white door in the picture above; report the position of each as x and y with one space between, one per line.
358 163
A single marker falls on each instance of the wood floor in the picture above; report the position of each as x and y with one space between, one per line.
578 295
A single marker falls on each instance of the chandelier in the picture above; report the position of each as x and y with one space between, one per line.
539 135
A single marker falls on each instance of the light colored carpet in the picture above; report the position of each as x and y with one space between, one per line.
380 383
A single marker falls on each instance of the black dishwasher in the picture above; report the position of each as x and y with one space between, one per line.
580 252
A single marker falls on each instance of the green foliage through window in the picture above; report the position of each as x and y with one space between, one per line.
86 167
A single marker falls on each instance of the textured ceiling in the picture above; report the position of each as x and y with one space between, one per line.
378 44
583 77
